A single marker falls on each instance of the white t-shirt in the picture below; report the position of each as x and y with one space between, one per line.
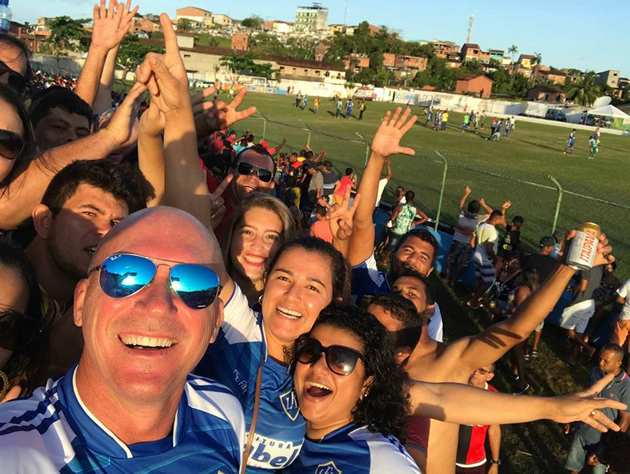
624 292
468 223
487 233
381 187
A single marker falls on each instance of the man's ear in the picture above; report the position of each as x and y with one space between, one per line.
429 271
217 321
490 376
42 220
402 354
427 314
79 301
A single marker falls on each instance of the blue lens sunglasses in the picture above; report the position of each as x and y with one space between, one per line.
125 274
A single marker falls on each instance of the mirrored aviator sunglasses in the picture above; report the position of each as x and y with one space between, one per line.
17 330
339 359
123 275
247 169
11 145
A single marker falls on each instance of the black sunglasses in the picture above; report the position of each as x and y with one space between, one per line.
17 330
340 360
15 81
247 169
11 145
125 274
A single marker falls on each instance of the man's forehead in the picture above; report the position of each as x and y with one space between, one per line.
407 282
418 245
257 159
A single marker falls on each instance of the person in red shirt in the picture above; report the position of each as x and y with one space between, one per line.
321 227
350 179
471 449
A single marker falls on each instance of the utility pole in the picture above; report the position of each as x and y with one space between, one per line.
470 25
345 13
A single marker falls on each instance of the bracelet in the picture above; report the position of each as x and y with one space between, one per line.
497 462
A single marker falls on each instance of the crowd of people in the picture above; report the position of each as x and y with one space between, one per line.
179 298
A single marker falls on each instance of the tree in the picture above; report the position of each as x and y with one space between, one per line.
184 24
512 51
472 67
253 22
66 34
584 91
244 64
132 53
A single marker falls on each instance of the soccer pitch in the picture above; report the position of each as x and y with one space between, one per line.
532 153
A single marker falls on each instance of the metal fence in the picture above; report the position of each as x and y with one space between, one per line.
439 182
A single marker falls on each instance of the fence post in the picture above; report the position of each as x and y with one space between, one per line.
367 148
439 209
558 204
308 129
264 128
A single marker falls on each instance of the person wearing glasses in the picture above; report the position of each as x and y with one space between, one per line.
20 321
148 309
354 400
15 69
15 139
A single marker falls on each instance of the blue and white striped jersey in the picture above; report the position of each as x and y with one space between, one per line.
367 279
233 359
53 431
353 450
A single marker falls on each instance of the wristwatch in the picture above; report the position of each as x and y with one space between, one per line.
495 461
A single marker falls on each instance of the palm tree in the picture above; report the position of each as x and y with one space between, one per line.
512 50
584 91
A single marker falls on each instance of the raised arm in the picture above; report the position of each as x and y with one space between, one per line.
103 99
443 402
109 28
26 190
483 204
151 151
386 143
388 167
467 192
499 338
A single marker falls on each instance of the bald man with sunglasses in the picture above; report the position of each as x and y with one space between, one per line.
148 309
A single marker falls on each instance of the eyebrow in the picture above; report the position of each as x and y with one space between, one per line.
284 270
242 226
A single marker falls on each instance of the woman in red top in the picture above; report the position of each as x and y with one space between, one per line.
350 179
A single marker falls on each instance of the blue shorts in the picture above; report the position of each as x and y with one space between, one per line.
571 143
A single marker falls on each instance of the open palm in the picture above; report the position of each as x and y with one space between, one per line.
386 142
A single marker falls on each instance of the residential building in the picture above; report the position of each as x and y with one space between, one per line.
480 86
444 48
219 19
143 25
545 73
240 42
356 62
42 26
311 19
185 39
484 57
546 94
332 30
526 61
608 78
453 61
496 54
411 63
279 27
320 50
470 51
389 60
198 15
304 70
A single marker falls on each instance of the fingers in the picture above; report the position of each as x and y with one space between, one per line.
200 96
386 118
597 387
355 204
134 94
96 12
103 9
170 40
600 422
246 113
239 98
402 119
404 129
395 117
405 151
223 186
111 11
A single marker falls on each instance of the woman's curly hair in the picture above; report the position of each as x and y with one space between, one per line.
386 402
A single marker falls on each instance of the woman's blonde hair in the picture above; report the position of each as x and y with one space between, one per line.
257 200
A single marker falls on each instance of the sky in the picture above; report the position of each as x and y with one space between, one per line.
568 33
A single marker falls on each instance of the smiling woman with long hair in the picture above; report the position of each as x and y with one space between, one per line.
352 394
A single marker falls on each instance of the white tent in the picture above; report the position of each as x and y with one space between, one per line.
610 111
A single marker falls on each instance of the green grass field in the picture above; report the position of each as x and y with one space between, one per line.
532 153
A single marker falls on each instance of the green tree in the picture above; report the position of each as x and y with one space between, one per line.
584 91
132 53
472 67
244 64
184 24
512 51
253 22
66 34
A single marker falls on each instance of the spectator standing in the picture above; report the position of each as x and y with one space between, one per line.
510 244
314 191
403 218
622 325
321 227
350 179
444 120
471 445
331 180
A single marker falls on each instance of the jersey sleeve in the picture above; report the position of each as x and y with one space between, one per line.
436 325
367 279
240 322
623 289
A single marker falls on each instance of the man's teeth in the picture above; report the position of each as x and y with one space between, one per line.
144 341
289 313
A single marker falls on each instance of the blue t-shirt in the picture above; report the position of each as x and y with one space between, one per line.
233 359
353 450
367 279
53 431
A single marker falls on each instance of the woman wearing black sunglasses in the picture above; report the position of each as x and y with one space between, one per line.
352 394
15 136
20 318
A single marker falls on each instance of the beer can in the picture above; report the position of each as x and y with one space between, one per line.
583 249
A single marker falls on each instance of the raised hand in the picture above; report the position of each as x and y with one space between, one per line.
506 205
217 203
340 216
468 190
111 24
220 115
604 250
386 142
123 127
152 121
584 406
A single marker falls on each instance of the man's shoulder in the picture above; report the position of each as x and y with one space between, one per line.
213 398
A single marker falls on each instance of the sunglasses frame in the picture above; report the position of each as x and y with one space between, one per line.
326 350
8 134
255 169
154 261
37 328
5 69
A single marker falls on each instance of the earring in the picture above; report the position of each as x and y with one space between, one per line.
260 300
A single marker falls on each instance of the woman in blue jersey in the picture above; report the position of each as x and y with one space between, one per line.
253 236
305 276
352 394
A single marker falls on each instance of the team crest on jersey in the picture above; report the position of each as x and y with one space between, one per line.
328 468
290 404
